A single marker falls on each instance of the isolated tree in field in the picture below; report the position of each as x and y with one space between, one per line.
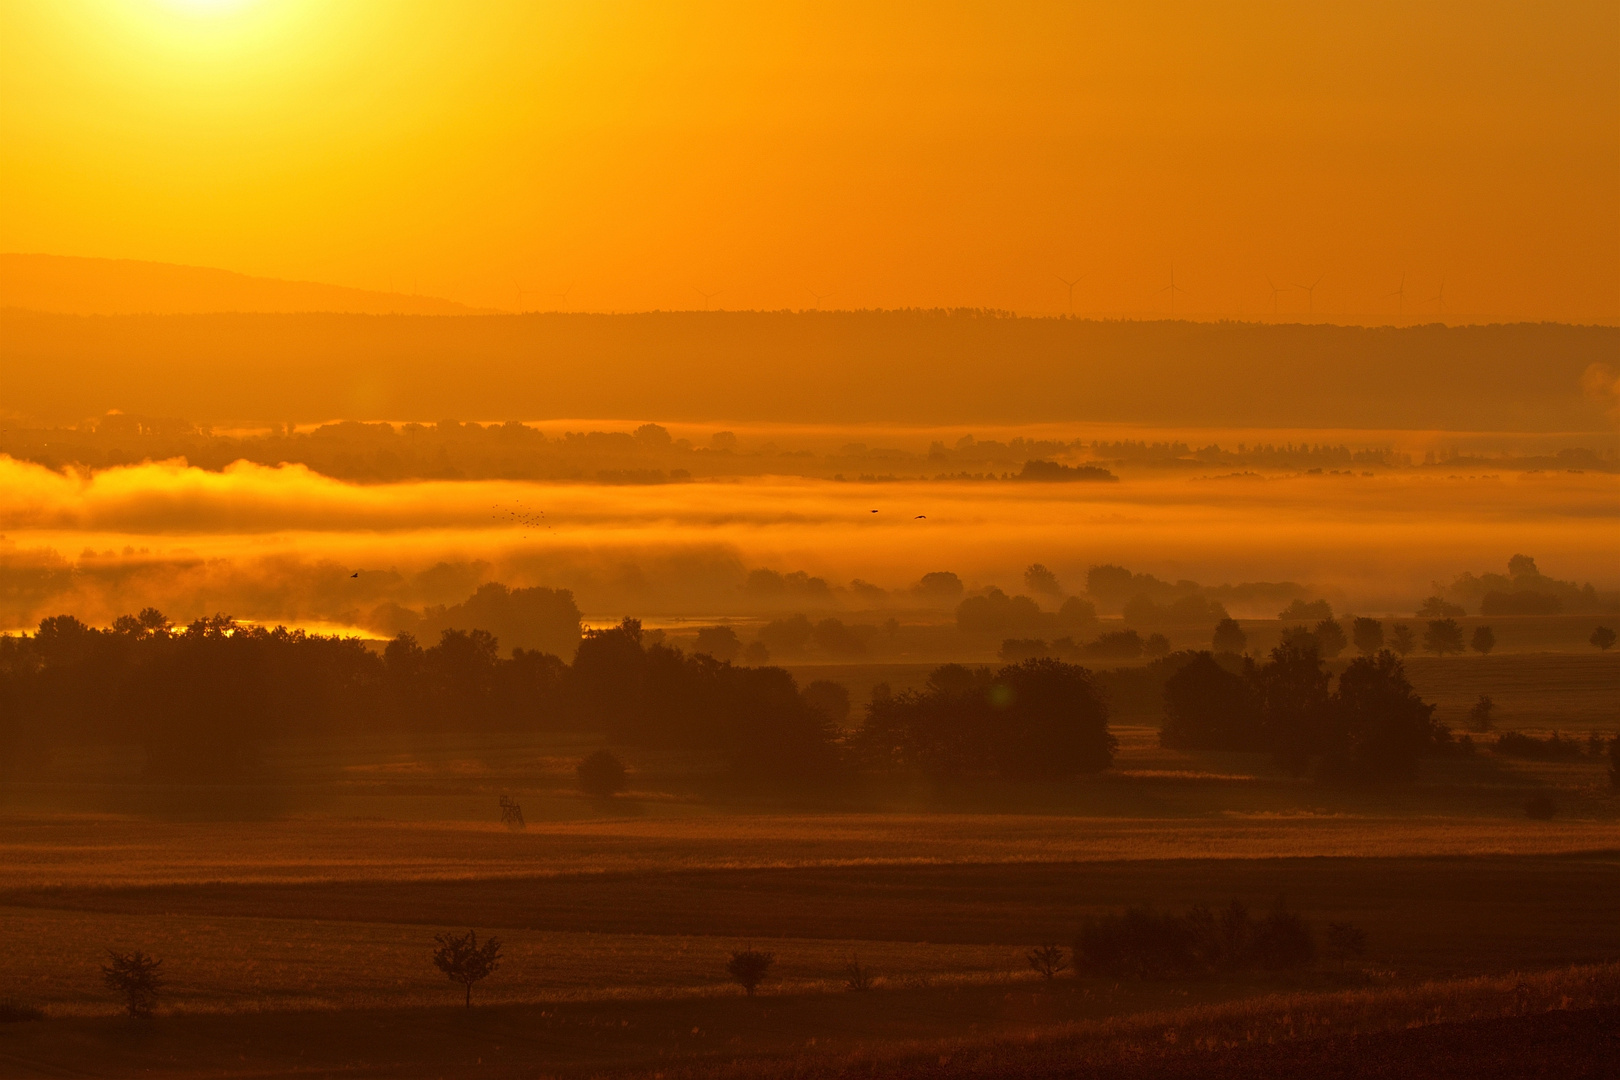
1038 579
1401 639
601 775
1229 637
1330 639
1483 641
465 961
857 976
1603 638
134 977
1345 940
1048 960
1443 636
749 967
1479 715
1368 635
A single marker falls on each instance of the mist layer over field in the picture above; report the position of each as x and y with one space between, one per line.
282 543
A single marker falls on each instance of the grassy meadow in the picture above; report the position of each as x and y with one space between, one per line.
296 918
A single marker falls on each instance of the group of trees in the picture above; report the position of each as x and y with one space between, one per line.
1371 724
1039 720
1143 943
203 699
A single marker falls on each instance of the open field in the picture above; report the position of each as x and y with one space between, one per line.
295 917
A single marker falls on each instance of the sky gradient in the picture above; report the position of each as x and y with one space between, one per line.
627 156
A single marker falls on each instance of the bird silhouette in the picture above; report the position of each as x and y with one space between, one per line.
355 574
920 517
874 511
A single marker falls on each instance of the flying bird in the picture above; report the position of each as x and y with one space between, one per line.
919 517
355 574
874 511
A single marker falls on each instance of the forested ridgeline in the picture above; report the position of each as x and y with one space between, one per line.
821 367
203 700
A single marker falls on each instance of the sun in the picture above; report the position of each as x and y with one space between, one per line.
209 7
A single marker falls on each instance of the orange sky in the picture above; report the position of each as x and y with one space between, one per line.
630 154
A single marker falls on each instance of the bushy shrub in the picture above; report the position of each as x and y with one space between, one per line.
1140 943
1553 748
749 967
15 1012
601 775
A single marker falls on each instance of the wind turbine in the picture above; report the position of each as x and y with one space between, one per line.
1439 299
707 296
1310 293
563 296
1400 307
1071 285
820 296
518 288
1275 289
1172 289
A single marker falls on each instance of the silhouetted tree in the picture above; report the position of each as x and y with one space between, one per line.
465 961
1295 706
601 774
857 976
1156 645
1603 638
1345 940
1283 941
756 653
1330 639
1039 720
720 642
1436 607
1207 707
135 978
1401 639
829 698
1368 635
1306 611
1381 725
1038 579
1047 960
749 967
1443 636
1229 637
1479 714
1483 641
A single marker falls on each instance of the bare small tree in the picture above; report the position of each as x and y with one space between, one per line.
134 977
857 976
465 961
1345 940
748 968
512 814
1048 960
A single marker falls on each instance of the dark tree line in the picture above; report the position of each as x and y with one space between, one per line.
1038 720
203 699
1372 724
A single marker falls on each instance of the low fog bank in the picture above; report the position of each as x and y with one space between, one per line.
649 454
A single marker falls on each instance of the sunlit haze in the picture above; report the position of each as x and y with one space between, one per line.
1446 160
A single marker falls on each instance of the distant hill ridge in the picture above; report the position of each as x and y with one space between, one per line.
819 367
81 286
